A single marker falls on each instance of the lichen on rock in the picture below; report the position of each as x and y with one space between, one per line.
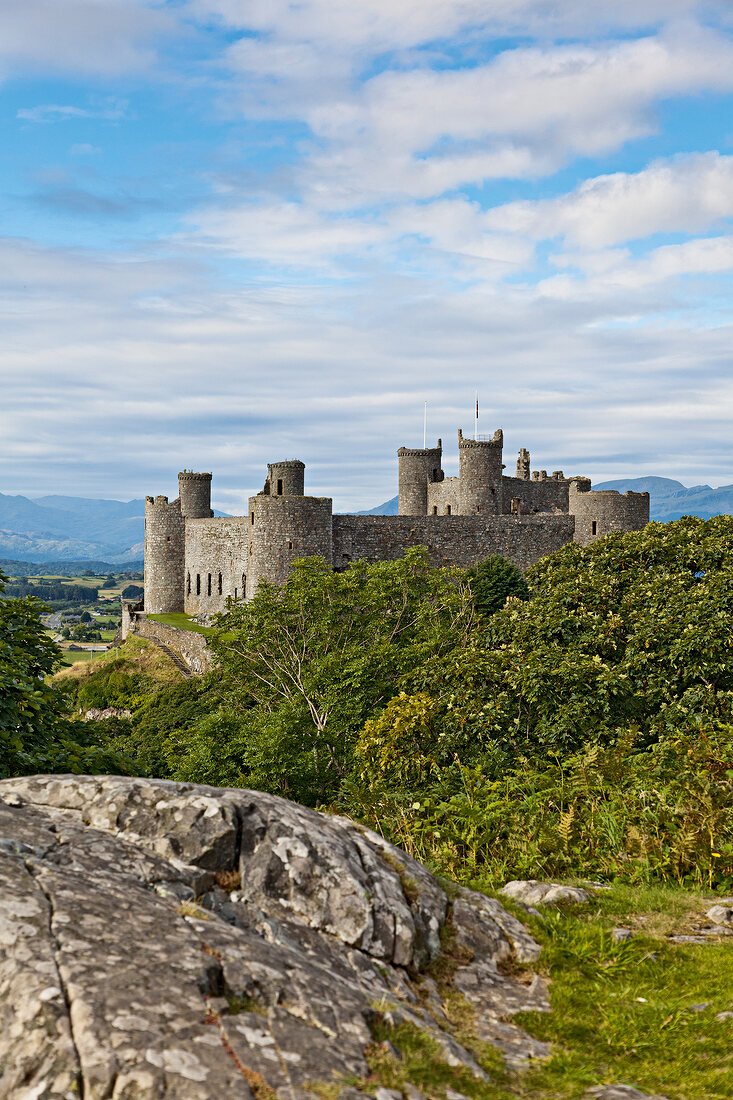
166 939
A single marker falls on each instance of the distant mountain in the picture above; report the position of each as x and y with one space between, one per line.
72 529
668 499
389 508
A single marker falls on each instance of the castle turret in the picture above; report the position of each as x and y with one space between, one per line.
480 473
598 513
285 479
164 554
418 467
523 464
195 495
283 528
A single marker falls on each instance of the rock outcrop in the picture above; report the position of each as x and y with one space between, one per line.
171 940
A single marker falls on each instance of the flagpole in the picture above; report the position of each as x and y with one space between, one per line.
475 420
425 427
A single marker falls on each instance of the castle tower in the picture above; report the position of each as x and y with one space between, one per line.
523 464
195 495
285 479
164 554
480 475
417 467
283 528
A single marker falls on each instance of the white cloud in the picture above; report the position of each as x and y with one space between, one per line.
110 109
100 37
377 25
685 194
421 131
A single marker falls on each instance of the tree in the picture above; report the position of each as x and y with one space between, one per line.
35 735
132 592
303 665
493 581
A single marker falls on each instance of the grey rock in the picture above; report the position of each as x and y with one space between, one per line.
128 971
721 914
621 935
618 1092
724 1016
532 892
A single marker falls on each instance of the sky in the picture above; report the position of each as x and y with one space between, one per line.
238 231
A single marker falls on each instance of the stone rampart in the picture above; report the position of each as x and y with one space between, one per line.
186 644
455 540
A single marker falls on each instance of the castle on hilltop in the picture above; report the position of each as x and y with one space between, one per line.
194 561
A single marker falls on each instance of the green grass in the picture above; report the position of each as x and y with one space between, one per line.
183 622
627 1013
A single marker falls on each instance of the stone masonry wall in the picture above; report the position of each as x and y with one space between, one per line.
546 495
456 540
600 513
215 548
189 646
443 495
282 529
164 551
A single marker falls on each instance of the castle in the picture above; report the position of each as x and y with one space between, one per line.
194 561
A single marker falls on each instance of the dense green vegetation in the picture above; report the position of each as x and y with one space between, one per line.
35 733
585 730
54 593
573 723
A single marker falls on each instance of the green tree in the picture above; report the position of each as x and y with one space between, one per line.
303 665
493 581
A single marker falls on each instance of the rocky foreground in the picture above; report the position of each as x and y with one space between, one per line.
162 939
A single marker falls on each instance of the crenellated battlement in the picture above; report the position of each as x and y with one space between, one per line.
196 562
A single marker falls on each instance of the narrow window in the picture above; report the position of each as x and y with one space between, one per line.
279 486
208 585
252 518
435 509
235 593
478 509
188 585
220 584
198 584
167 538
244 587
290 545
447 509
594 528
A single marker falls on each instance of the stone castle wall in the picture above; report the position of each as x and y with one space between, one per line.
216 562
164 554
541 495
195 562
187 644
283 529
454 540
601 513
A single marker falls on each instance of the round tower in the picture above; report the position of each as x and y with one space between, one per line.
286 479
194 491
418 467
282 529
480 473
164 554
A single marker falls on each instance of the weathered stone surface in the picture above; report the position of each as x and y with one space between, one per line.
532 892
721 914
621 935
179 941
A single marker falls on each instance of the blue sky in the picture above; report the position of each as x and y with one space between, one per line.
232 232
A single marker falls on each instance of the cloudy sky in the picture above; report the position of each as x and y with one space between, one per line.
234 231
